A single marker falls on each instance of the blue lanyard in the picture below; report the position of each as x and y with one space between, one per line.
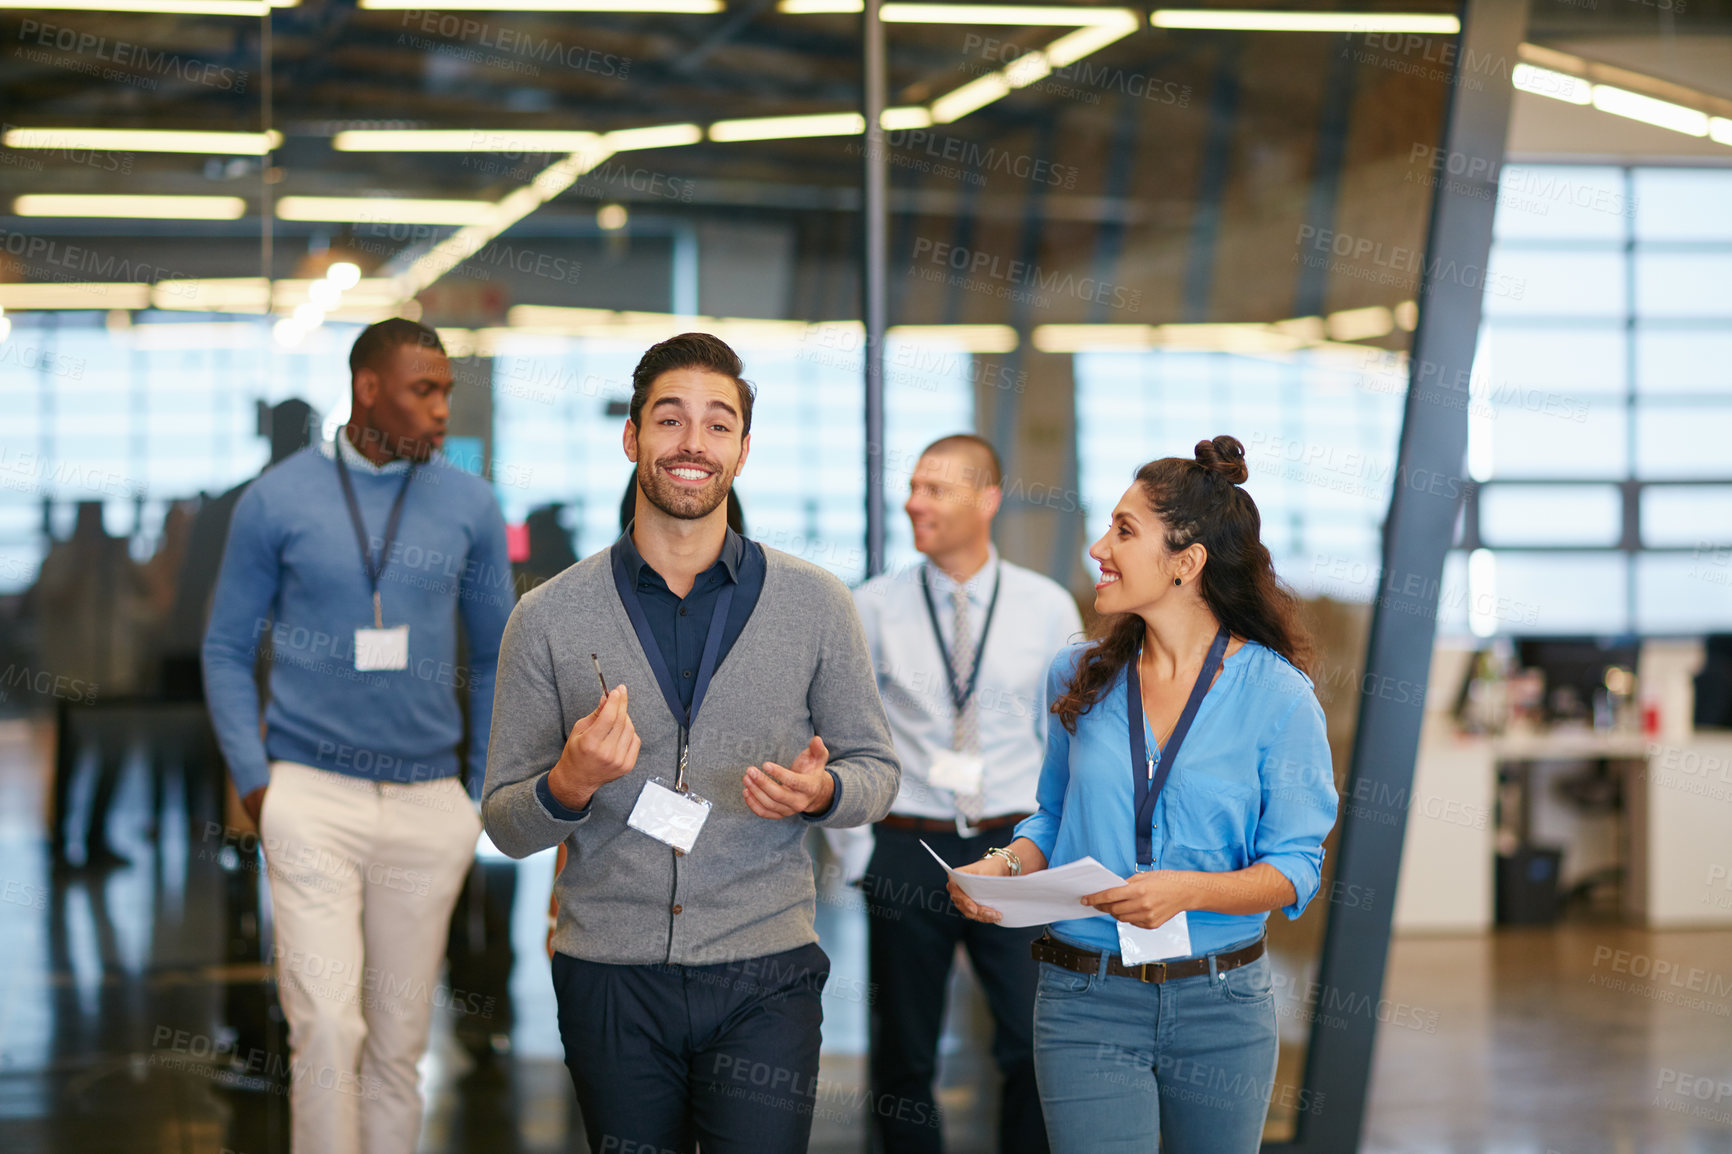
375 568
658 665
960 693
1146 782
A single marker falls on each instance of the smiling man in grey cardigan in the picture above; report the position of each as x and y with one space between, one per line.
742 707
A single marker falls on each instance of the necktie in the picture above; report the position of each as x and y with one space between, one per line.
965 737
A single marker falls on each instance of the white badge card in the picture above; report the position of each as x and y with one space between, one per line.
1170 939
382 648
668 815
957 772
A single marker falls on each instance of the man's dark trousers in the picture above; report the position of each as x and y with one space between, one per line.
664 1058
914 930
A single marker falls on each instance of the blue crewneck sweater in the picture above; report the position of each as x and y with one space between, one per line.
292 572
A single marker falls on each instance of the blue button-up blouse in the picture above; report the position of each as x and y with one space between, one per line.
1253 783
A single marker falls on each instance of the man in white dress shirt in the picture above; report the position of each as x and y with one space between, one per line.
961 646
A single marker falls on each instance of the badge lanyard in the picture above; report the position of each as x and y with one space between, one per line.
375 567
653 653
1145 781
959 694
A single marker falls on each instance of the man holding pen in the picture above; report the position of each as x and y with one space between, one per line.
740 710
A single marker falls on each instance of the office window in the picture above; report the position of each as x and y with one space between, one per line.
1561 201
1550 514
1686 516
1540 593
1684 592
1684 284
1319 436
1683 440
1567 402
1682 204
1684 360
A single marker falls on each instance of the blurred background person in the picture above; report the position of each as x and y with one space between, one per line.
91 603
368 831
961 646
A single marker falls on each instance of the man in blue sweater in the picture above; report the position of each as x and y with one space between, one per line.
354 559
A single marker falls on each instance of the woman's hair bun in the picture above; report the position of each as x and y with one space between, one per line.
1225 457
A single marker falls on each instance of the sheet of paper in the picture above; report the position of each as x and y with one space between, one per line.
1171 939
1049 895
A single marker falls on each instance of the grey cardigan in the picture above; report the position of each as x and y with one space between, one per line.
799 667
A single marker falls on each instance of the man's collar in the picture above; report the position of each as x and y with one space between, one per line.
733 554
976 585
352 456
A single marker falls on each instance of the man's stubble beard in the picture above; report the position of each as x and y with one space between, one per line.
680 503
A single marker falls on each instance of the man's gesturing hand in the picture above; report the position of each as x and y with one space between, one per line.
806 787
601 748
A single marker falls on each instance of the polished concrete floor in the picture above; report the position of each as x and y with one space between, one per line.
124 994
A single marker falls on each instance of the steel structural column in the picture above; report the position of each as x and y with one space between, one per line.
875 182
1428 489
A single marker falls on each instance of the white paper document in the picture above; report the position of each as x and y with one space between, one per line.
1170 939
1055 895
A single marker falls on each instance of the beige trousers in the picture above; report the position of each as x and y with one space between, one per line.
363 878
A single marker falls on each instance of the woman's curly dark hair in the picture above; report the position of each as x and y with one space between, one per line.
1199 500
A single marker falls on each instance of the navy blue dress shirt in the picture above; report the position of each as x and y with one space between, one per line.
680 625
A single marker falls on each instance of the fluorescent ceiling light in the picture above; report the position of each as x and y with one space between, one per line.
145 140
1073 46
897 119
1720 129
243 294
1026 69
460 140
1249 21
132 207
382 209
111 295
971 97
678 7
1021 15
654 136
1546 82
157 7
1093 338
1360 324
1660 113
495 218
966 338
789 127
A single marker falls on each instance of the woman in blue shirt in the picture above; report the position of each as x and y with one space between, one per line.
1194 622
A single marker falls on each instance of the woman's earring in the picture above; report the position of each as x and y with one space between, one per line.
1177 581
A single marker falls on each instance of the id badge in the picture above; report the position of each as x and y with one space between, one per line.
669 816
957 772
1170 939
382 648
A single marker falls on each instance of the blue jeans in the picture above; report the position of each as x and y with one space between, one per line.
1119 1061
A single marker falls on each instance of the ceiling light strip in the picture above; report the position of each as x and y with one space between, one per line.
145 140
253 8
670 7
1245 20
131 207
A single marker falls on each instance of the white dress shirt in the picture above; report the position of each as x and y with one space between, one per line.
1034 619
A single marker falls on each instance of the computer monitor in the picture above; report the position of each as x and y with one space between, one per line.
1578 664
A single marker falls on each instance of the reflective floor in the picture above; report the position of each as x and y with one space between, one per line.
134 1016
